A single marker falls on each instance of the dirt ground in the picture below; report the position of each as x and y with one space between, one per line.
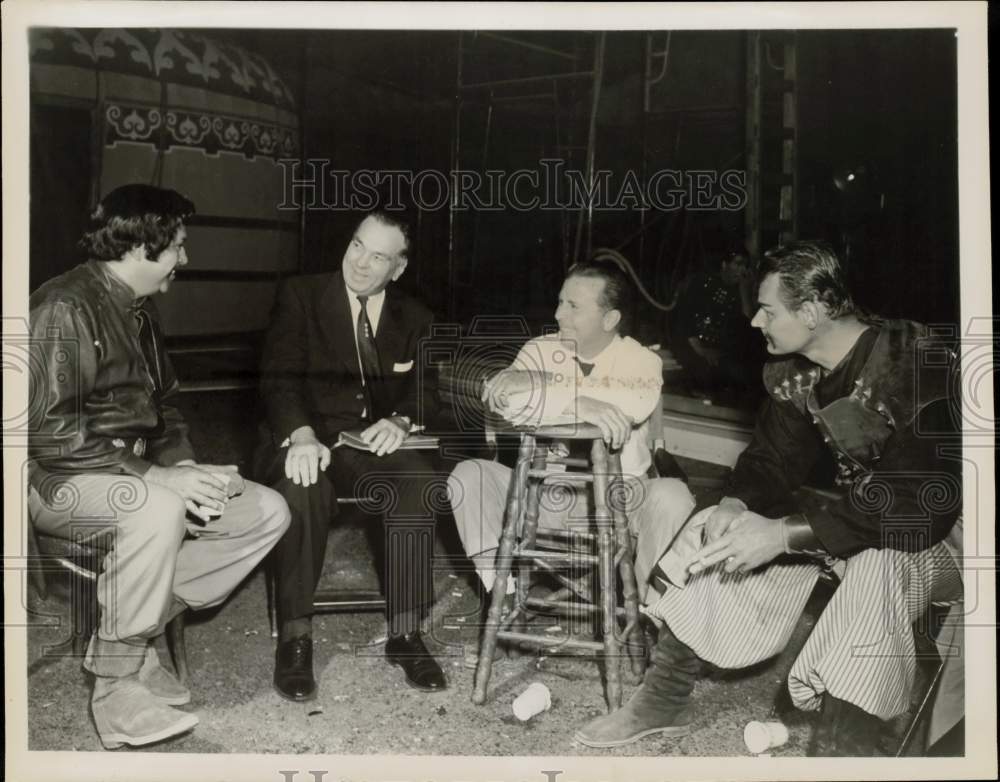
364 706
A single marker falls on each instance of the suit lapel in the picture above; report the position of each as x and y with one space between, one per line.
335 321
390 332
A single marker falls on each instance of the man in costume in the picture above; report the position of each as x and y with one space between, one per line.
876 395
109 451
341 353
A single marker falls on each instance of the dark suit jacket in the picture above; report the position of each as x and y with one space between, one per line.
309 365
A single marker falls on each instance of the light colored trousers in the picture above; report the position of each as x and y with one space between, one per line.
152 572
861 649
656 509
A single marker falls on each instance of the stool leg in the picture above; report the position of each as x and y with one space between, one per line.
36 573
606 574
85 613
178 648
529 532
633 636
271 591
504 558
83 593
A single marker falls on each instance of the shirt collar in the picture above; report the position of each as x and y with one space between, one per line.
375 300
120 292
609 349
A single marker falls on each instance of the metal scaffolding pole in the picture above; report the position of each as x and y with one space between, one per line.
588 210
752 223
455 163
494 93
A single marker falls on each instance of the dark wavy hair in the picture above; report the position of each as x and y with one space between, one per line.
809 271
618 293
400 221
134 215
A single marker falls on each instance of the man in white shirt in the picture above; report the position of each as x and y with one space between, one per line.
587 372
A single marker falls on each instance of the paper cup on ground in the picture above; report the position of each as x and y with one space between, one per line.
762 736
532 701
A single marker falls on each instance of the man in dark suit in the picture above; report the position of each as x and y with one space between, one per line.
341 353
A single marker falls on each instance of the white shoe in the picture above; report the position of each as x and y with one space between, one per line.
126 712
161 682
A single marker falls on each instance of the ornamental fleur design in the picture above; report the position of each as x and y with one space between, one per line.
133 123
179 56
187 128
231 133
210 132
798 385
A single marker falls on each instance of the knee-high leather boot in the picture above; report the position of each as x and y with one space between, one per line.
844 730
659 706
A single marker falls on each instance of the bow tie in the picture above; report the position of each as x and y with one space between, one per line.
585 367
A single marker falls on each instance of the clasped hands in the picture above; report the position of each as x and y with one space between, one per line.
615 426
205 488
744 540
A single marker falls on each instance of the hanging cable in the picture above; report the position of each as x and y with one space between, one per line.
615 257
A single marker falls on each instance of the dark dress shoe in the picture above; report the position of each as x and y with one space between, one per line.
421 669
293 669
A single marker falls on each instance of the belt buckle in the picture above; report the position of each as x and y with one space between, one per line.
139 447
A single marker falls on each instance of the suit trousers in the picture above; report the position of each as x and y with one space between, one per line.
153 571
403 488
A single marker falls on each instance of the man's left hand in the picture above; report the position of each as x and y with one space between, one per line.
751 541
384 436
235 483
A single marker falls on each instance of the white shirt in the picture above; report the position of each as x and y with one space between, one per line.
625 374
374 308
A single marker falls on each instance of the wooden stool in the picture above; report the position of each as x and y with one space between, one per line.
613 550
83 559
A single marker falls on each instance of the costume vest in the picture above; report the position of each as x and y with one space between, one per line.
909 367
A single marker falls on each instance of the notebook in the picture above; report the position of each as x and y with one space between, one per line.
352 439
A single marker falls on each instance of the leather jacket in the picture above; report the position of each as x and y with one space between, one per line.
95 404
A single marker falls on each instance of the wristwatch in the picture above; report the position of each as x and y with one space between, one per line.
403 421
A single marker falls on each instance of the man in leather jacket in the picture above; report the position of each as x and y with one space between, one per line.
875 395
110 453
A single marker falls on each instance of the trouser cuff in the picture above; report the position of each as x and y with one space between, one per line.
404 622
114 659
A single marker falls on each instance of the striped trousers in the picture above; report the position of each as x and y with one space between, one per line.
861 649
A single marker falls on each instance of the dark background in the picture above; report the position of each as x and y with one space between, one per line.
881 101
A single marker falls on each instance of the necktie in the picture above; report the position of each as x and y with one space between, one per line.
371 369
584 366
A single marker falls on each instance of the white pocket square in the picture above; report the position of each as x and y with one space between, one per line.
404 367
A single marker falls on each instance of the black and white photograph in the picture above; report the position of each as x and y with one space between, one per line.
539 392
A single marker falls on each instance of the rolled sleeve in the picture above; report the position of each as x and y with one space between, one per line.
632 384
